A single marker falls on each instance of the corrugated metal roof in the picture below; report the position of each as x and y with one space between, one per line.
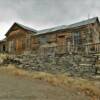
85 22
62 27
27 28
52 29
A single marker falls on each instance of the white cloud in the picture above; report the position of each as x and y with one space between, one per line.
41 14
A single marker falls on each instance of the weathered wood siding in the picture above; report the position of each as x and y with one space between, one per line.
34 43
18 41
2 46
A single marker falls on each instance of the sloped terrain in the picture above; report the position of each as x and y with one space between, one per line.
21 84
16 88
18 84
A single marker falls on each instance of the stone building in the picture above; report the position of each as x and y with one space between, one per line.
83 35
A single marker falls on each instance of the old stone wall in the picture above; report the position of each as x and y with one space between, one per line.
74 64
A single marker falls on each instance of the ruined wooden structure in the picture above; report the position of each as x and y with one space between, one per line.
3 45
19 39
79 37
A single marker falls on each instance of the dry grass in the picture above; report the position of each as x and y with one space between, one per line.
90 88
3 56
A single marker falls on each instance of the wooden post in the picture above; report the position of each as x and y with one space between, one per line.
86 49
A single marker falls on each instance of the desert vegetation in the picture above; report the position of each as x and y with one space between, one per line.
89 87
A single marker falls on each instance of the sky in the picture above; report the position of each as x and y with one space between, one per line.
43 14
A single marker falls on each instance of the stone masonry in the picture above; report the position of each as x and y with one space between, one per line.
74 64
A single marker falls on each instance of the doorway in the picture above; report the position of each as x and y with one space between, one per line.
4 48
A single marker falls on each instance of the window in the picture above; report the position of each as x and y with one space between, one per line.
76 38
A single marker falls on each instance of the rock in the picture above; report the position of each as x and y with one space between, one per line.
67 63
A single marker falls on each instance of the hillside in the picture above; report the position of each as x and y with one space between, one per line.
16 84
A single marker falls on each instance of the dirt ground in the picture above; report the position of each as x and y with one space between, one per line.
19 88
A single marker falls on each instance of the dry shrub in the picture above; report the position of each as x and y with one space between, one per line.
84 85
3 56
11 69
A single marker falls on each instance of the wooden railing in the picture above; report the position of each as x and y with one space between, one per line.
87 48
92 48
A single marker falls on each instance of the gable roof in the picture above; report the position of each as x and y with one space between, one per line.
23 27
27 28
85 22
58 28
78 24
52 29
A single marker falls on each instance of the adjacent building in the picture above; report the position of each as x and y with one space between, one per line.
80 36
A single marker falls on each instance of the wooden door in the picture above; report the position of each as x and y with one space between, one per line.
18 45
61 44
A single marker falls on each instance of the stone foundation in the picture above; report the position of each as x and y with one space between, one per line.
74 64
